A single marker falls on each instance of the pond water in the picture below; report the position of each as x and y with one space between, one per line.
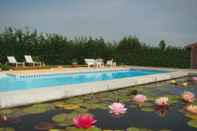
58 115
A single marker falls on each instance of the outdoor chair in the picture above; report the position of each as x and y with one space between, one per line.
110 63
90 62
12 61
99 63
29 60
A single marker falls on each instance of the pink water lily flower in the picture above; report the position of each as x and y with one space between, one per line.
162 101
139 99
194 78
84 121
192 109
188 96
117 108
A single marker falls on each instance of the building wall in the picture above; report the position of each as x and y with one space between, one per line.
194 57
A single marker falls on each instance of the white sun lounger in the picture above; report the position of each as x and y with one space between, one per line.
12 60
110 63
29 60
99 63
90 62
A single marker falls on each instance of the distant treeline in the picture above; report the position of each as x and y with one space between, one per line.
54 49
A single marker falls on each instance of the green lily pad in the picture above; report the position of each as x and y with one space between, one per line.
7 129
69 106
124 98
81 110
93 129
148 104
11 112
133 129
6 111
75 100
192 123
81 129
145 129
56 129
74 129
96 106
44 126
173 99
191 116
62 119
138 129
37 108
165 130
147 109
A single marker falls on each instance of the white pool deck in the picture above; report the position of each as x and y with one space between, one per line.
30 96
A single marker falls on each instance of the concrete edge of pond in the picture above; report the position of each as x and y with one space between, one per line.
30 96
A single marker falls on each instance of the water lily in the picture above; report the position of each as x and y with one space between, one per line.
139 99
162 101
84 121
192 109
117 108
188 96
184 84
194 78
173 82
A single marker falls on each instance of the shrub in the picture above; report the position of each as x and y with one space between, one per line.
4 66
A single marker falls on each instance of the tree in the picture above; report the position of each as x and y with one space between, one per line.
162 45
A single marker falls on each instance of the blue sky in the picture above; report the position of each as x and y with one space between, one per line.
175 21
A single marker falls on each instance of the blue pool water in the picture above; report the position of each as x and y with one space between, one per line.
10 83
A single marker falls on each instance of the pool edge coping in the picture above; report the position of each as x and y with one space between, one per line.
30 96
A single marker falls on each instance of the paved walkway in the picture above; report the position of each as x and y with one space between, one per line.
62 70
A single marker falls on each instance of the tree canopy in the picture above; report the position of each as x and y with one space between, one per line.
54 49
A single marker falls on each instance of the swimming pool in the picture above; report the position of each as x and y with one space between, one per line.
11 83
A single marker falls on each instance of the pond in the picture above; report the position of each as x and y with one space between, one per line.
146 116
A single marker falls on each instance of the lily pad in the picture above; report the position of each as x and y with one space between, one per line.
6 111
81 110
74 129
37 108
133 129
173 99
138 129
148 104
191 116
62 119
95 106
192 123
80 129
11 112
44 126
56 129
147 109
75 100
68 106
7 129
124 98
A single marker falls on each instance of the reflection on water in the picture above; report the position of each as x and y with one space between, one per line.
150 117
172 119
